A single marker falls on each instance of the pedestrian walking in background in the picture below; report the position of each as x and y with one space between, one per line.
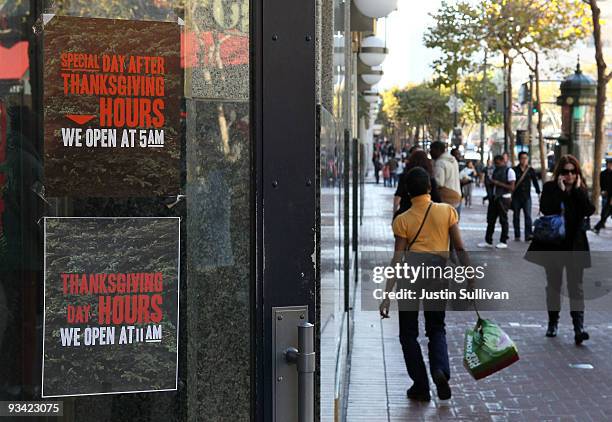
426 229
507 161
502 184
384 151
605 181
386 171
401 165
377 165
457 154
521 197
565 195
401 200
391 150
480 173
446 172
393 165
467 176
487 175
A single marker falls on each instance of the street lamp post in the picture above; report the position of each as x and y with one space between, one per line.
455 104
456 110
483 117
506 134
578 96
530 118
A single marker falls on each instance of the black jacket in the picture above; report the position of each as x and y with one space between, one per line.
605 180
523 190
577 207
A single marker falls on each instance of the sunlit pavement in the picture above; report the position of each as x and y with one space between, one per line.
553 381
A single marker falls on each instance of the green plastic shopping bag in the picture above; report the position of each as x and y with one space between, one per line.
488 349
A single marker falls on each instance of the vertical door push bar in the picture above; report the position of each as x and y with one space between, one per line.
293 387
304 358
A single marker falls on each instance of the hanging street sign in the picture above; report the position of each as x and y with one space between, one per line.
454 104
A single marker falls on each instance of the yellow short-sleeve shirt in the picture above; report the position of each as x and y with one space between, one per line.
434 236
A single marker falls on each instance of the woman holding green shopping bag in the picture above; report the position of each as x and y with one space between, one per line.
426 230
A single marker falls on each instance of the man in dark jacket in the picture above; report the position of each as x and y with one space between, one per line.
605 181
502 184
521 197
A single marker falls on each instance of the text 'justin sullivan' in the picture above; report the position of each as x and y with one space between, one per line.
444 294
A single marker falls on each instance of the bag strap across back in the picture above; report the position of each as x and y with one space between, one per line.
523 176
414 239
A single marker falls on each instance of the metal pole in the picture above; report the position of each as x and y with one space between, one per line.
484 109
530 118
439 134
346 217
505 104
304 358
355 181
306 369
455 112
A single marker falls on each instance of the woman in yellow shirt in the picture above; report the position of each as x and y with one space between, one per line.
426 228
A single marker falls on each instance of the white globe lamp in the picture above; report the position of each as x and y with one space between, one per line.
376 8
370 96
338 50
373 51
372 76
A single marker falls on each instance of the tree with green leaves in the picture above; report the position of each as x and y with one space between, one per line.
455 33
553 25
603 77
473 89
420 109
505 26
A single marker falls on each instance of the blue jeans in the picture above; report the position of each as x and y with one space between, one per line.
524 204
438 350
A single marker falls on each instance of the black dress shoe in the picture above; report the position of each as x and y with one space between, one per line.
444 391
580 336
418 394
552 330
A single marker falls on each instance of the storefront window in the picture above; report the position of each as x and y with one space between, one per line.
203 181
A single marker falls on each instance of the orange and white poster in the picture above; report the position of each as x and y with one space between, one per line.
112 99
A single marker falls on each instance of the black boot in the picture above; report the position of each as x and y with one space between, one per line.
579 334
419 393
553 320
444 391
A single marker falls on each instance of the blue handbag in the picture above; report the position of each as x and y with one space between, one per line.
550 228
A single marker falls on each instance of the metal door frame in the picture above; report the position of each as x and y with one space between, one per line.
284 178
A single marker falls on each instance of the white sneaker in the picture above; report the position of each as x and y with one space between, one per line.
501 245
485 245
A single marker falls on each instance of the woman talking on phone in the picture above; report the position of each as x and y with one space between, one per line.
566 195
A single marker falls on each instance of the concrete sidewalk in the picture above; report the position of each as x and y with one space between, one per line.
553 381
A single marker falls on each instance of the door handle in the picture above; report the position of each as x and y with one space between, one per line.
304 359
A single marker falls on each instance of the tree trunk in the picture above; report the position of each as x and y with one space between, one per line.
543 158
600 106
509 111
